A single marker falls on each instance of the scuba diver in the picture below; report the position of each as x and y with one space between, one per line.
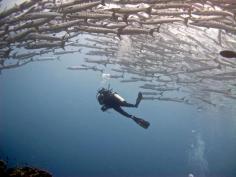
109 99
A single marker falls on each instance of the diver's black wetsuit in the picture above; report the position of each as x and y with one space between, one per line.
110 100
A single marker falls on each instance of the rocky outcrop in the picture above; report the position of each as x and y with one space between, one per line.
21 172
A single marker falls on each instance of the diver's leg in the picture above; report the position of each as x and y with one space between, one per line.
141 122
121 111
139 98
126 104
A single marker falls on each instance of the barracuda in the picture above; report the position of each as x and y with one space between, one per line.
71 3
113 76
224 63
36 36
213 12
233 73
25 55
131 10
77 68
36 15
161 21
212 24
97 30
79 7
225 92
171 5
142 79
66 52
41 44
113 25
207 18
229 62
103 62
206 101
30 24
135 31
155 85
86 46
203 69
169 13
91 15
218 78
60 26
139 1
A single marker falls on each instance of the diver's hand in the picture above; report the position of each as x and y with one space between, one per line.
104 108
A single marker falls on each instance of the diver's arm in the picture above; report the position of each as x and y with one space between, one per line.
104 108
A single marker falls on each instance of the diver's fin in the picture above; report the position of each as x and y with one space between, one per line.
140 96
143 123
228 54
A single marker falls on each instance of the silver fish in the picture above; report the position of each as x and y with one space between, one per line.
160 21
169 13
60 26
213 24
142 79
25 55
91 15
203 69
224 63
36 15
130 10
213 12
66 52
65 4
206 101
96 30
129 80
36 36
135 31
80 7
77 68
32 23
225 92
172 5
38 45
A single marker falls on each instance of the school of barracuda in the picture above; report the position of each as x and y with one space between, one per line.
169 47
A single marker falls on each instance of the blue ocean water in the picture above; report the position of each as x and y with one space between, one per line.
50 118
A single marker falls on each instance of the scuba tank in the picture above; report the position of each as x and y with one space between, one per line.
119 97
104 93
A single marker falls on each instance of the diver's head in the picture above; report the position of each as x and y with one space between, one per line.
101 95
102 90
